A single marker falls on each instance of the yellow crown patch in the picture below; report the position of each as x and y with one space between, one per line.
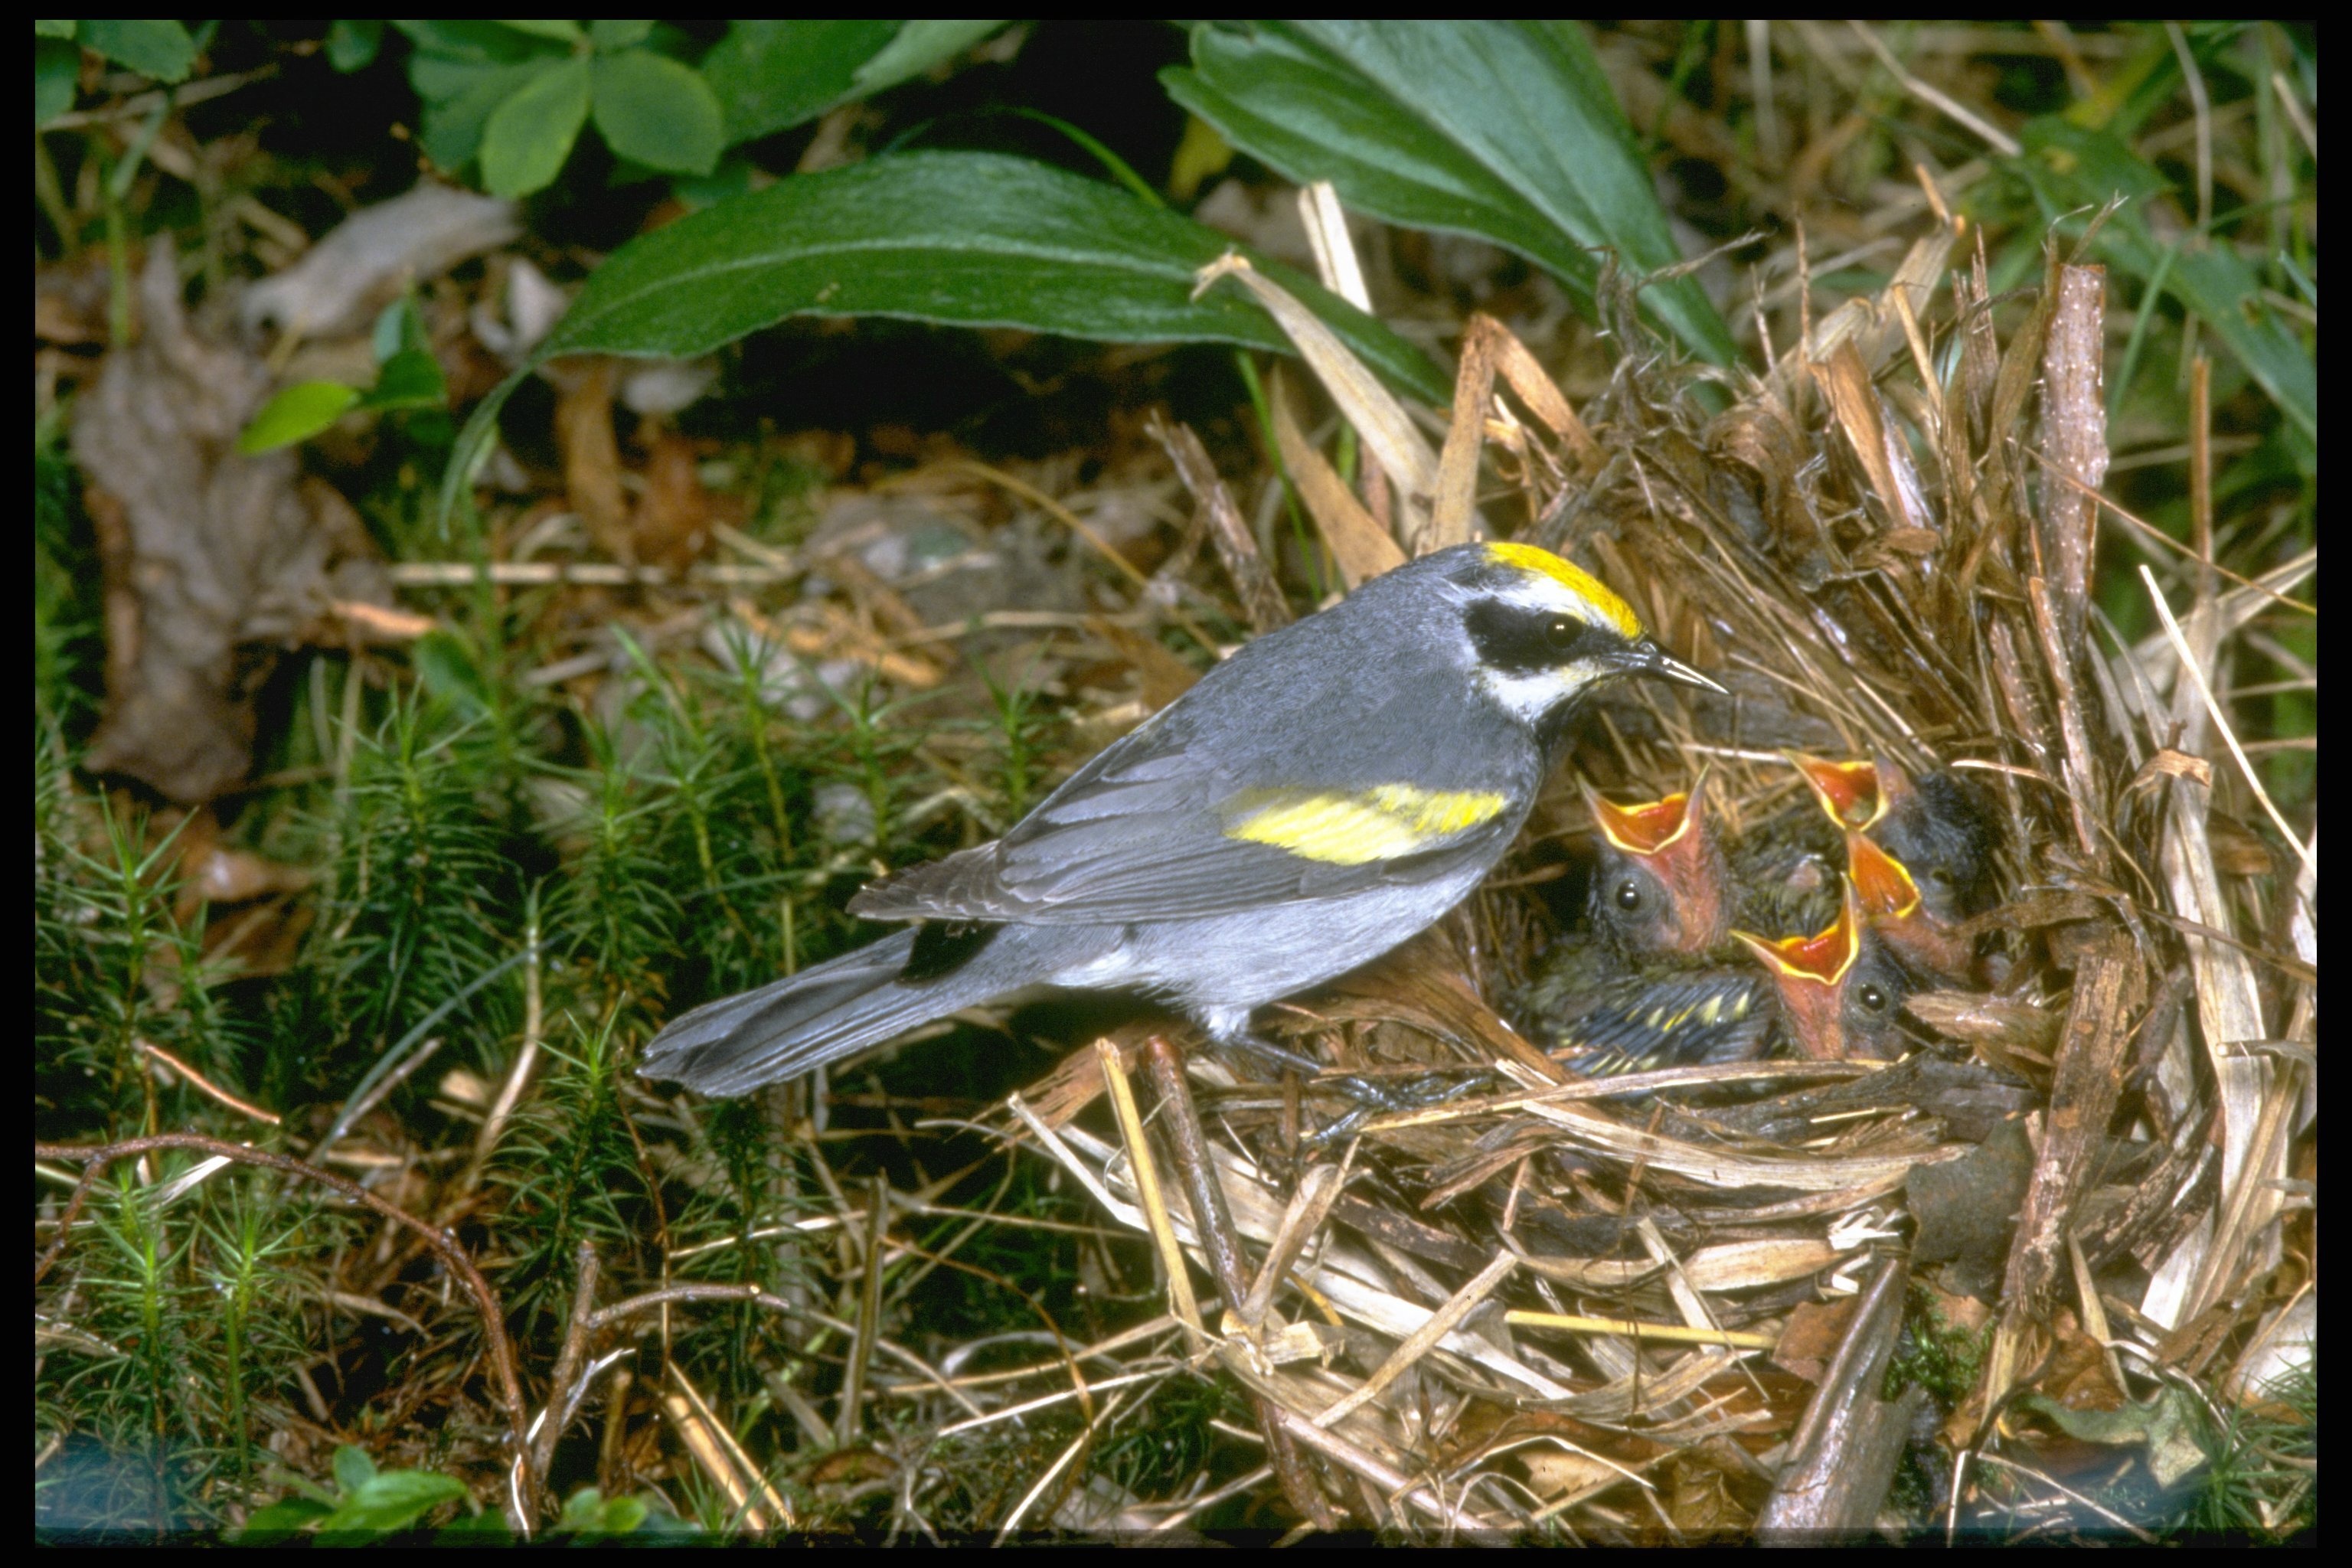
1572 577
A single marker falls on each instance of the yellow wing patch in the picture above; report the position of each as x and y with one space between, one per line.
1572 577
1381 823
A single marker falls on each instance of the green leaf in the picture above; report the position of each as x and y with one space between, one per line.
656 112
610 37
964 238
2165 1427
57 71
555 30
486 1528
459 97
354 1468
393 1500
2069 169
772 76
479 43
279 1522
969 239
161 49
411 379
397 326
920 46
589 1513
529 136
353 45
731 178
1503 130
451 674
297 414
53 29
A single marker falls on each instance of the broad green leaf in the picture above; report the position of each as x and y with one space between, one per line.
2071 169
920 46
411 379
772 76
354 1467
395 1499
279 1522
970 239
161 49
555 30
732 177
610 37
478 43
590 1512
397 326
528 136
964 238
353 45
656 111
57 71
1503 130
459 98
2165 1427
297 414
486 1528
1310 117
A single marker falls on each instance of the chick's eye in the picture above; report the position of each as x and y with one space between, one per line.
1873 998
1628 897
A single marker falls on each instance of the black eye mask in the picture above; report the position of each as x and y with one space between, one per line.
1520 639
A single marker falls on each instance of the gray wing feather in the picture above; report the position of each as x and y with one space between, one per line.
1140 874
1138 832
1144 839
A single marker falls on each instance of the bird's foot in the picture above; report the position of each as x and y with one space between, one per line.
1369 1096
1413 1094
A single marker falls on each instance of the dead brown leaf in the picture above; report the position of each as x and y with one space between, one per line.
591 456
208 555
672 522
1815 1331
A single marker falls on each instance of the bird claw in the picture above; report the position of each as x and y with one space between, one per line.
1434 1089
1369 1096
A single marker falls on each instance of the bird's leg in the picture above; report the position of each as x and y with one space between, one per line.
1235 1033
1434 1089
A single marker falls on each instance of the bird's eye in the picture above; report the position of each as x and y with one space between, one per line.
1628 897
1873 998
1939 876
1562 632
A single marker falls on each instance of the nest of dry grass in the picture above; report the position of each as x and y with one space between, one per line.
1664 1306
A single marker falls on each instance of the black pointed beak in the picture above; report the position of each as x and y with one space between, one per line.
1646 657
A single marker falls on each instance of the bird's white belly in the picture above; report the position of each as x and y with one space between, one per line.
1241 961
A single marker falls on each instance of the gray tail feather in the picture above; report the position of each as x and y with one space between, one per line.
819 1015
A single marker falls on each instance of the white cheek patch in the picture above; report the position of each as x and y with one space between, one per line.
1531 694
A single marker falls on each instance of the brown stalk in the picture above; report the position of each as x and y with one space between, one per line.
204 1086
2073 442
1360 546
567 1362
1842 1457
1236 546
2084 796
869 1313
2110 981
1213 1220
